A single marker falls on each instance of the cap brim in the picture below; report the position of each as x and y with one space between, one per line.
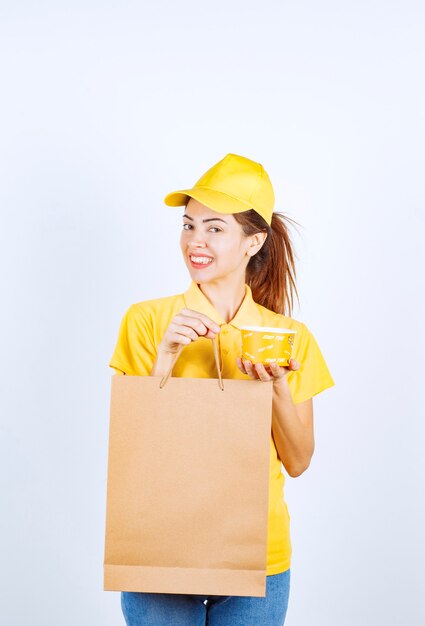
215 200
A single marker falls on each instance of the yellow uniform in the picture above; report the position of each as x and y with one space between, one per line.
143 327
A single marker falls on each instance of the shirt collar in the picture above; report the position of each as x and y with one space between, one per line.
247 314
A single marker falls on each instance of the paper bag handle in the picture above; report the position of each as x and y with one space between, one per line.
217 362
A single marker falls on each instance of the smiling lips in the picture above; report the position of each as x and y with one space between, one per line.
200 261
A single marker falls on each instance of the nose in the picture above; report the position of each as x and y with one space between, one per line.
195 244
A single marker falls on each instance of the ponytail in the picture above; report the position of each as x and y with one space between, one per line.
271 272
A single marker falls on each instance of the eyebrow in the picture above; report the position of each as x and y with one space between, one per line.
210 219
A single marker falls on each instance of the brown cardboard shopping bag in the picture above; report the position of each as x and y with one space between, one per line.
188 485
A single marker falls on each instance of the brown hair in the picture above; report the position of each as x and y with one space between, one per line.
271 271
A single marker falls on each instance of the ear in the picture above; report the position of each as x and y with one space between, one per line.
256 243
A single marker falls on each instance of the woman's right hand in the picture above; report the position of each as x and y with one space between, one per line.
187 326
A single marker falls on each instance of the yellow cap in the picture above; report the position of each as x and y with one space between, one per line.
232 185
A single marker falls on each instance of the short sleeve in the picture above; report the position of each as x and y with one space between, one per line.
135 350
313 375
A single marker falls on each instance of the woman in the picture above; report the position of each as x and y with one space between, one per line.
241 262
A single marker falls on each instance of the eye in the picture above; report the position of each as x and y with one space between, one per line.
214 227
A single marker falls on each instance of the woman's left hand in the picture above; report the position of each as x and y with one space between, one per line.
273 371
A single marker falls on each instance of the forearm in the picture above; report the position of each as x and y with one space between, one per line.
293 441
162 363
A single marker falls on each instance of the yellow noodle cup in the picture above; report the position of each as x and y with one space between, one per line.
265 344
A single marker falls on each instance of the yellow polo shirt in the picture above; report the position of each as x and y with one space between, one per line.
143 327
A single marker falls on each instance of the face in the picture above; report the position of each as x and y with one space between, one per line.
217 242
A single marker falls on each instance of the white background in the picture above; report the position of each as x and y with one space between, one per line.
105 108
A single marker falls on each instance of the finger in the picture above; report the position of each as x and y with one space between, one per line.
195 324
181 329
249 368
203 324
240 364
207 321
261 371
192 322
277 370
179 338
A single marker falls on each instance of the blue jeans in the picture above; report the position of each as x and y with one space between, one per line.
174 609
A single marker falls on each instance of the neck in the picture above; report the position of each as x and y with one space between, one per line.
226 296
